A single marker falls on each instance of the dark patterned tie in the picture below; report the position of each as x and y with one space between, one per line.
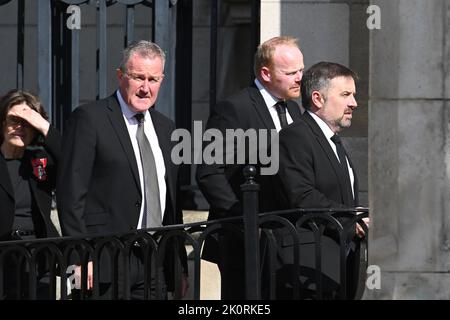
152 206
281 110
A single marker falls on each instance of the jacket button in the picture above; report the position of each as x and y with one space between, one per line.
137 204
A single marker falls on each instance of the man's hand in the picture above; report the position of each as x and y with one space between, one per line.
359 230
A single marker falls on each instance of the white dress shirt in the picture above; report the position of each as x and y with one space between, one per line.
271 101
150 133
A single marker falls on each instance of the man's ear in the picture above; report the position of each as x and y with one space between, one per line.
119 74
317 99
265 74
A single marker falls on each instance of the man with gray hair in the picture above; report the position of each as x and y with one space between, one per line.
116 173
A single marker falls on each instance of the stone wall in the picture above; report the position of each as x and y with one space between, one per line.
409 149
401 130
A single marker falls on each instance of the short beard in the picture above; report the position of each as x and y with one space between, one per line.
344 123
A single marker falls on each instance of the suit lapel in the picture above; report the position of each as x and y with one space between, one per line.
33 187
5 181
355 182
260 106
118 123
347 197
294 110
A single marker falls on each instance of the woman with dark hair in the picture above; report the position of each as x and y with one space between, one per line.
30 148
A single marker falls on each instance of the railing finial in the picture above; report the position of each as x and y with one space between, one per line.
250 174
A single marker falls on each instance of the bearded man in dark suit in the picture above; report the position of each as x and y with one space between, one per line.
316 172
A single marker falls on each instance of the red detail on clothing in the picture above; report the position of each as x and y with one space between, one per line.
39 165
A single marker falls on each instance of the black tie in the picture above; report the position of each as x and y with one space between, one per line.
152 206
342 158
281 110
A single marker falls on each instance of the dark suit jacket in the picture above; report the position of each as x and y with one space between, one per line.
41 191
309 169
220 184
311 177
99 188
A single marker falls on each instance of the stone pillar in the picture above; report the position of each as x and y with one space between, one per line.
409 149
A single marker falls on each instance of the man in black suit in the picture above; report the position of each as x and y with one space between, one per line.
266 104
315 174
116 173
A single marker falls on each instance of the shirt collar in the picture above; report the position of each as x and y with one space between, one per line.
323 125
269 99
127 112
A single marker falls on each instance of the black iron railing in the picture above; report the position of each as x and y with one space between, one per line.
27 263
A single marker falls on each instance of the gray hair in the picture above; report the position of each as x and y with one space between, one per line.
143 48
318 77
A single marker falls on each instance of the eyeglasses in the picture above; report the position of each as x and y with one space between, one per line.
140 79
